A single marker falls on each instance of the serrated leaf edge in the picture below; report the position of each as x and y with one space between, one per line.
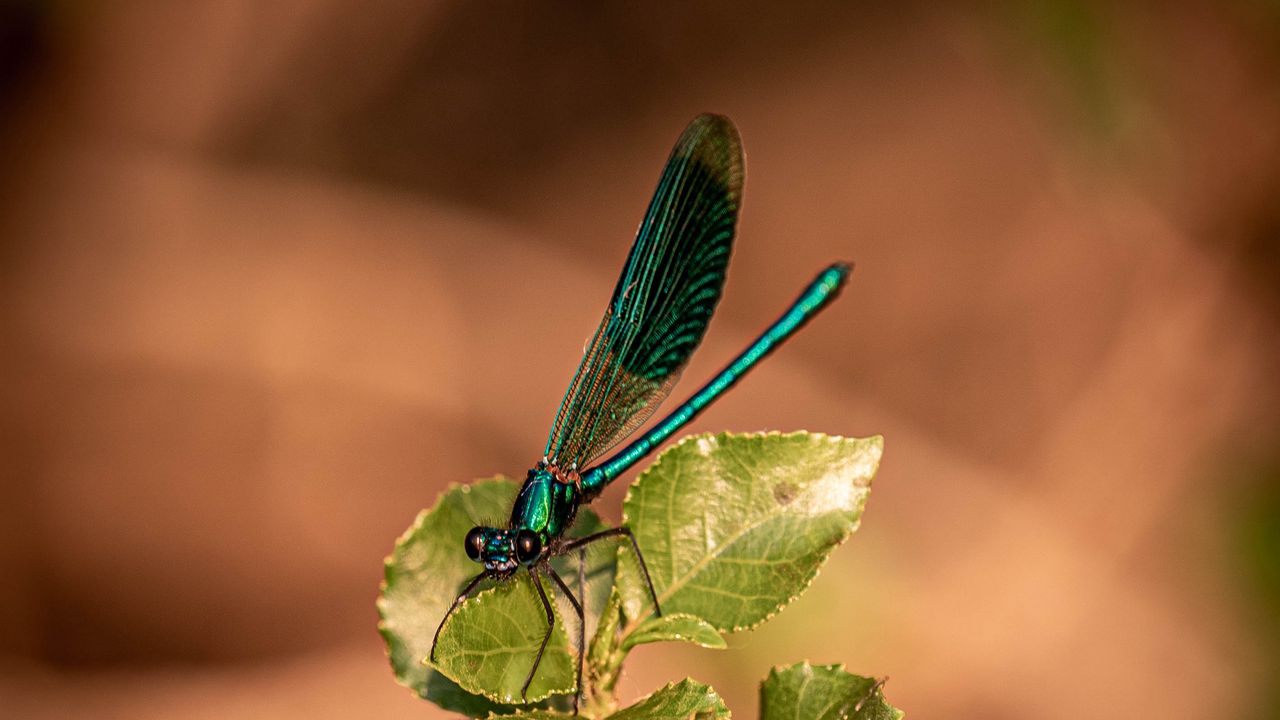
877 442
628 645
838 667
416 525
671 685
380 602
479 599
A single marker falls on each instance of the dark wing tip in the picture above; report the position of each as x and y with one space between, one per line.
665 296
714 142
714 120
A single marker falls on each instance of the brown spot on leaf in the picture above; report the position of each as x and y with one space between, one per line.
784 492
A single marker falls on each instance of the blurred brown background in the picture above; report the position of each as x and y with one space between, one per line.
275 274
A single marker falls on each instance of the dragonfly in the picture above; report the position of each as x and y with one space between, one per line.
660 309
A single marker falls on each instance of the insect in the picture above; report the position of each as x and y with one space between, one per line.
659 312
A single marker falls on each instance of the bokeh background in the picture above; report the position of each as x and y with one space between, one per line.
274 274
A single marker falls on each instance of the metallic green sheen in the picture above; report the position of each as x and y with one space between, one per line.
545 505
659 312
664 299
656 318
824 288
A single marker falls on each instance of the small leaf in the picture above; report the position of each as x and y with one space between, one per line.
734 527
488 645
822 692
685 700
448 695
684 628
423 575
602 643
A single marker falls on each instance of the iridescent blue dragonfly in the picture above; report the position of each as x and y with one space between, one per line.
658 314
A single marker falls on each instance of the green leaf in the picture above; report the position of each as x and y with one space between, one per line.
677 627
602 649
733 527
685 700
488 645
822 692
448 695
423 575
601 563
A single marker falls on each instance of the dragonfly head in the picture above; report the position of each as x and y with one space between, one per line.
502 550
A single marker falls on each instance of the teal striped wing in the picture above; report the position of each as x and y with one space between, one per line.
664 299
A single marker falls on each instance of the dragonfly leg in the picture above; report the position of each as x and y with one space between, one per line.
582 542
551 624
582 625
456 602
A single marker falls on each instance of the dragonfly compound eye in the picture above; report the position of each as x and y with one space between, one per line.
528 546
475 543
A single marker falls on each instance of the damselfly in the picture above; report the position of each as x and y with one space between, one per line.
660 309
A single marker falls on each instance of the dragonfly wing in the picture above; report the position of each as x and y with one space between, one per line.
664 299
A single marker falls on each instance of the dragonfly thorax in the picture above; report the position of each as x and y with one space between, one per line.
547 503
544 509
